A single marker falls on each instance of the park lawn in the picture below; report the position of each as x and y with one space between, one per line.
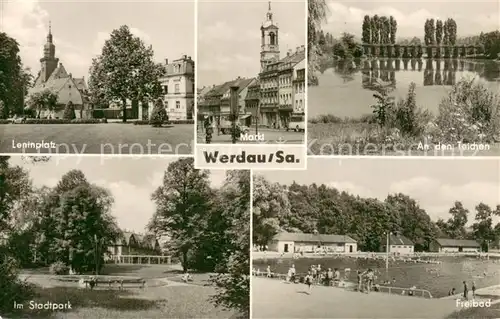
492 312
111 138
160 302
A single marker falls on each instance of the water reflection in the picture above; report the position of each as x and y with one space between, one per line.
434 72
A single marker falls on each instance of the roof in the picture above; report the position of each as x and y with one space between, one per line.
60 82
313 238
147 241
399 240
457 243
294 58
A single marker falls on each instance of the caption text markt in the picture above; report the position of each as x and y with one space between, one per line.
244 158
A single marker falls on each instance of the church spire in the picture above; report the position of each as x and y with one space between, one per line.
269 13
49 36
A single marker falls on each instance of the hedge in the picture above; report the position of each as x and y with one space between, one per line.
142 122
62 121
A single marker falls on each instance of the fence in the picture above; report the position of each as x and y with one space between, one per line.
423 293
140 259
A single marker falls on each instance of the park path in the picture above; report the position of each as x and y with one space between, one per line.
275 299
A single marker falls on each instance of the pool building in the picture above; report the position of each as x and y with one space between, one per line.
399 244
299 242
443 245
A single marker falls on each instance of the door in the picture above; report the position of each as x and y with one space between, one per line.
460 249
350 249
286 248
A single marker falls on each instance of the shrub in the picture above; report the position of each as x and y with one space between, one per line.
11 288
159 114
59 268
470 113
5 121
98 114
3 110
64 121
69 111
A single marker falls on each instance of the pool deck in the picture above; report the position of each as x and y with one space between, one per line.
276 299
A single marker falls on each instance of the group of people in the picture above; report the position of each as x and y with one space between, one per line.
465 295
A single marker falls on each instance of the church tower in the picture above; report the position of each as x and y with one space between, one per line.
49 61
270 50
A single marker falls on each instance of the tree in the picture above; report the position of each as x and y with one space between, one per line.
385 29
45 100
234 285
159 114
270 204
426 32
375 27
3 111
11 68
125 71
439 32
316 15
69 111
394 29
85 227
366 30
452 33
446 32
182 202
483 227
432 32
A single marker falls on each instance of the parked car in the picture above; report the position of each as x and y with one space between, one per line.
296 126
18 120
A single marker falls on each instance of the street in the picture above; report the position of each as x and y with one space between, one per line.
266 136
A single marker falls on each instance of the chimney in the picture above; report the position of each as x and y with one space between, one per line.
60 64
70 76
288 53
184 57
297 49
303 47
189 58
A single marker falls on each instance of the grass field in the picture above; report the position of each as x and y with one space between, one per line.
111 138
361 139
172 300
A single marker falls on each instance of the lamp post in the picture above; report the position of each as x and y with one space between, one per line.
234 112
387 252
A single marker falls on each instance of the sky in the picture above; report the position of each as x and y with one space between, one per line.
229 36
435 184
130 180
80 28
472 17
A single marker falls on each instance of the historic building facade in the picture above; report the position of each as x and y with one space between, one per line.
178 88
279 82
54 77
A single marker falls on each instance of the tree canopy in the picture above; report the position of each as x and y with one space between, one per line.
125 71
323 209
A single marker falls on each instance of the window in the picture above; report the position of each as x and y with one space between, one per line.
165 89
177 88
177 104
166 105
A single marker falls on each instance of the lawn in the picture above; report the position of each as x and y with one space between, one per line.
359 138
492 312
159 302
111 138
171 300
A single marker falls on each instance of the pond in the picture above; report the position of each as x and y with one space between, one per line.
345 88
437 278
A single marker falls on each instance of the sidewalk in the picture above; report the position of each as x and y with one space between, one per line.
275 299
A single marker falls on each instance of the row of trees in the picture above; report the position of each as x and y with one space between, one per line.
379 30
437 32
311 208
209 229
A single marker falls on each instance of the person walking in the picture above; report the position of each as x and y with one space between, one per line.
360 281
473 290
466 291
